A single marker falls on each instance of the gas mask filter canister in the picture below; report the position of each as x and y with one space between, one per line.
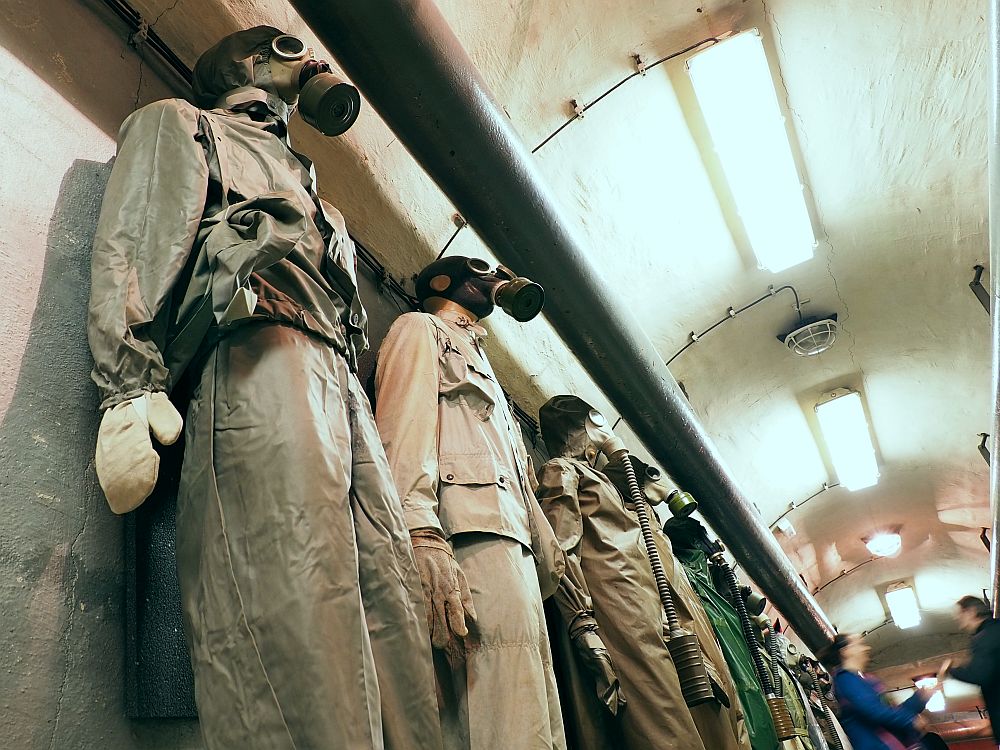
326 102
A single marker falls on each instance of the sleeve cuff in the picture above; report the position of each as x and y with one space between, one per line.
423 518
584 621
118 398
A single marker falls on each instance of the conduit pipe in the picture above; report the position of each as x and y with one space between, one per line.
413 70
994 223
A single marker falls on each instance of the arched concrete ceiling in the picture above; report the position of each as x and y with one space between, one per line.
887 111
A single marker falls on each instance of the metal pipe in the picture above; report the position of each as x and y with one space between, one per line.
994 223
415 73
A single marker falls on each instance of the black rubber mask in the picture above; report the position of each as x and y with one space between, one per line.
471 283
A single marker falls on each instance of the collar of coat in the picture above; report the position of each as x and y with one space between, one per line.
268 107
463 321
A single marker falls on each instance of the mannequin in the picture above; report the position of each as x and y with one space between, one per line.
486 554
611 616
216 260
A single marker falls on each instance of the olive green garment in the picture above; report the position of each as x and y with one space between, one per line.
813 713
608 578
727 629
720 726
796 708
461 468
201 204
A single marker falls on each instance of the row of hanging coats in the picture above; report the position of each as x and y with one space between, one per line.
653 642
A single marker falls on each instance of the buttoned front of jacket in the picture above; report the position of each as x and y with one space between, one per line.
454 447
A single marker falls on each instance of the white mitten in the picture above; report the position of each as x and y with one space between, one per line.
126 462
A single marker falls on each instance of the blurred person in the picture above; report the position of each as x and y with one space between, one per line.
871 722
983 665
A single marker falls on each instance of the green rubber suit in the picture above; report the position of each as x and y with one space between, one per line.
689 538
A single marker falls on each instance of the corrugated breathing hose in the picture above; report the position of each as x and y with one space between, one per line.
780 715
831 728
685 650
772 648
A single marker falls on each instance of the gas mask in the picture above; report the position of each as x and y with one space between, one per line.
328 103
471 283
571 427
264 64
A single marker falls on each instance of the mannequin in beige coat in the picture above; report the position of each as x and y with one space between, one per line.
486 554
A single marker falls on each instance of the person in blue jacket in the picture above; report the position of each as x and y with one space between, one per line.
870 721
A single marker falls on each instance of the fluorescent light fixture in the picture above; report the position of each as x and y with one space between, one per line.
735 91
936 703
845 430
884 544
902 603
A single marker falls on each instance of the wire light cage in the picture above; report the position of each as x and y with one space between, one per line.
812 337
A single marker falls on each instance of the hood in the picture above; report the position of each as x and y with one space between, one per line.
229 65
688 534
563 422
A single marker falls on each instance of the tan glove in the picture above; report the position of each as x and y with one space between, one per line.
446 592
596 658
126 462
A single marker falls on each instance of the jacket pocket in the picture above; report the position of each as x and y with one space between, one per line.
469 469
463 384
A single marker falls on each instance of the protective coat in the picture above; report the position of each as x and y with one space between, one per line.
609 579
461 469
302 603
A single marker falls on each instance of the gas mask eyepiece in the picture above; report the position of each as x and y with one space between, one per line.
288 47
601 435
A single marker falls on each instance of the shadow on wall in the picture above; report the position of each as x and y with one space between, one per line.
61 603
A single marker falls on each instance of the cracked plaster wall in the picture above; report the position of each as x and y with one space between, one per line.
68 80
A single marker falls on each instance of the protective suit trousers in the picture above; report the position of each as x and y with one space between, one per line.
498 691
301 599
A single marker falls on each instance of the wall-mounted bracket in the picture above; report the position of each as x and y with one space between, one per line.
981 292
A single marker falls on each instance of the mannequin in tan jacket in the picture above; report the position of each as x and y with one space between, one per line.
486 555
